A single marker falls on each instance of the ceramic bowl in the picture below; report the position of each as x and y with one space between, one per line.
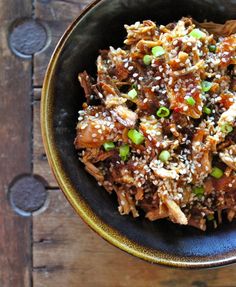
99 26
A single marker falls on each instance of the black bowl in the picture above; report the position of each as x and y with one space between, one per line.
98 27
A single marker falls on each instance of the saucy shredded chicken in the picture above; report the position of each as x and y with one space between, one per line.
158 125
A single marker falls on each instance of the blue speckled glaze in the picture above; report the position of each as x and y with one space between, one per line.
101 27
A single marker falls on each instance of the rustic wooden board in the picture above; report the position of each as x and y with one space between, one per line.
15 149
41 166
67 253
64 251
56 15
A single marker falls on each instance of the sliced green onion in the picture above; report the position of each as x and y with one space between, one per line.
136 137
158 51
206 86
196 33
134 86
163 112
147 59
199 190
207 111
164 156
132 94
226 128
109 146
210 217
212 48
217 172
191 101
124 152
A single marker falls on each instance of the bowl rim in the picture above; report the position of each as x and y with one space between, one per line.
80 206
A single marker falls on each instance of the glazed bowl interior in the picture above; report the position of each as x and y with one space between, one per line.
101 26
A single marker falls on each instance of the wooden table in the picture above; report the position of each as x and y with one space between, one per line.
43 243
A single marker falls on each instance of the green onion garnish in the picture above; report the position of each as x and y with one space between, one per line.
212 48
132 94
134 86
136 137
158 51
206 110
147 59
210 217
163 112
191 101
199 190
124 152
196 33
226 128
217 172
206 86
164 156
109 146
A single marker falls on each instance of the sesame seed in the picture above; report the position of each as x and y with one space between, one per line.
126 65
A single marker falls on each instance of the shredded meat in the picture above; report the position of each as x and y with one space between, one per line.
124 116
228 156
86 84
158 128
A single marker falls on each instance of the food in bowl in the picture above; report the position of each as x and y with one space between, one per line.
158 127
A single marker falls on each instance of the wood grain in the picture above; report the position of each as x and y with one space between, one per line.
41 166
57 16
15 149
67 253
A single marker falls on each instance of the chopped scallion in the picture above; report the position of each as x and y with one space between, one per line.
191 101
199 190
206 110
132 94
134 86
124 152
212 48
136 137
206 86
196 33
217 172
164 156
109 146
158 51
147 59
226 128
163 112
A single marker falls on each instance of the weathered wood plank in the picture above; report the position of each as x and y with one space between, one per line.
58 10
41 166
56 15
15 147
67 253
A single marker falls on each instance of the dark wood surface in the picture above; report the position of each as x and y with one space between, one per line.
53 247
15 149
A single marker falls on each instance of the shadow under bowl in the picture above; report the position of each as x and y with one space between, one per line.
98 27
